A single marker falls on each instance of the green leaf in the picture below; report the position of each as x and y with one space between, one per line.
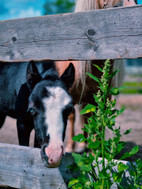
113 102
79 138
88 160
103 175
73 182
98 67
120 146
117 176
127 131
114 91
93 77
96 98
131 153
92 123
112 112
80 162
88 108
120 111
94 145
77 157
134 150
77 186
113 74
91 157
122 167
139 164
97 185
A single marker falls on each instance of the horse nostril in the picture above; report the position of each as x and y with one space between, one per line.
43 155
62 150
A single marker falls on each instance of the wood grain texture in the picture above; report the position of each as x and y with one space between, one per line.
22 167
101 34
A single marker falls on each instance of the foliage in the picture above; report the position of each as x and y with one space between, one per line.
58 6
101 174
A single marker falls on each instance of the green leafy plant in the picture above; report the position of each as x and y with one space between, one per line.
103 173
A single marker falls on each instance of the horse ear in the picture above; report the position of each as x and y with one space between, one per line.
32 75
68 76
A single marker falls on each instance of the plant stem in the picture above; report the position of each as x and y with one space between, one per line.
94 173
103 152
102 183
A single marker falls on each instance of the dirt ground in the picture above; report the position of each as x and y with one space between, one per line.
131 118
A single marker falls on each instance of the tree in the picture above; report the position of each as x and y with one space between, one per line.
58 6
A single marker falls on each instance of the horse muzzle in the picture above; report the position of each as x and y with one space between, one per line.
52 155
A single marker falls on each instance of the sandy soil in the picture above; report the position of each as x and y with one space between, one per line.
131 118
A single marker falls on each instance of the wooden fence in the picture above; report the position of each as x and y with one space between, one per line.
100 34
22 167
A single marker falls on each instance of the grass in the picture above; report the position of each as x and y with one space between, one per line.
132 88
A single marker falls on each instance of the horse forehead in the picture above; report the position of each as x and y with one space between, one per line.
58 96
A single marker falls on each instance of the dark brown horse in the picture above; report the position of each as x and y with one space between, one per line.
84 87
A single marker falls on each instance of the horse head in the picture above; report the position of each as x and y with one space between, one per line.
50 105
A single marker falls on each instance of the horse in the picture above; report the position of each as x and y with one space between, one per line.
34 94
84 87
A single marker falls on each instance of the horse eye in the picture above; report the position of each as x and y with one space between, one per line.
31 110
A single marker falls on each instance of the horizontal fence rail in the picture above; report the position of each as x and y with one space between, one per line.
100 34
22 167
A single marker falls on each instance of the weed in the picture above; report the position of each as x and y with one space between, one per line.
93 172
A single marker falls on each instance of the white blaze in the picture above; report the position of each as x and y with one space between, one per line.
54 104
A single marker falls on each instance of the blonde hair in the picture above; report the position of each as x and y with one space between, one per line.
85 5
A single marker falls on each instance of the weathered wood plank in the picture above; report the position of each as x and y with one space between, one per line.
22 167
101 34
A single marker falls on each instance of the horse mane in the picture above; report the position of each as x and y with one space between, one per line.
85 5
83 66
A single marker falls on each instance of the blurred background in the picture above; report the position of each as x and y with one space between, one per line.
130 97
30 8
